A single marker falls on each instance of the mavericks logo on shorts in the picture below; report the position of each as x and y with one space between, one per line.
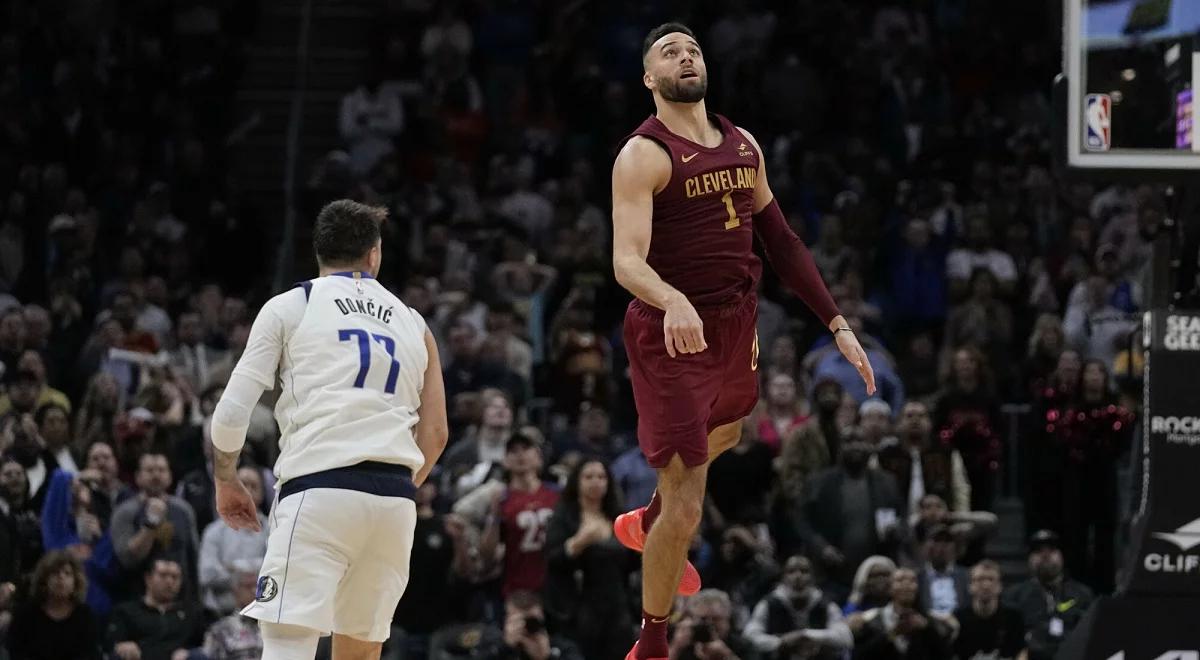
267 588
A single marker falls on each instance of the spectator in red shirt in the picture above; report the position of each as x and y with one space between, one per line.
519 515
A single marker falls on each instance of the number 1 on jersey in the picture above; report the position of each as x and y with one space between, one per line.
733 220
364 356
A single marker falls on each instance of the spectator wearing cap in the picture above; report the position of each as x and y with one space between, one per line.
797 619
32 362
1050 603
987 629
848 513
922 466
518 516
1100 311
24 392
942 584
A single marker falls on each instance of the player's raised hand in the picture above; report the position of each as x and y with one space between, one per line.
683 331
236 506
853 351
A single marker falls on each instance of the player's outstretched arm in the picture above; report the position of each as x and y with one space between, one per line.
642 168
794 264
432 431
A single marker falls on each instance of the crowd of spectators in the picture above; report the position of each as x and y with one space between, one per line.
906 139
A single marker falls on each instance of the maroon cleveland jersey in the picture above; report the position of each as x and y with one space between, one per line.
701 239
523 527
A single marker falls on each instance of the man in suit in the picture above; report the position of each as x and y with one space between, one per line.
942 584
848 513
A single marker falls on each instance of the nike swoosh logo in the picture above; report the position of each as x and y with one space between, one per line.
687 158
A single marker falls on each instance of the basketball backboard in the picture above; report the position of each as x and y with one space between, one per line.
1132 67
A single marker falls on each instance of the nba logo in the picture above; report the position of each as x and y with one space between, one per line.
1098 122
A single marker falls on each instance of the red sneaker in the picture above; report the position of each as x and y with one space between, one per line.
633 654
628 528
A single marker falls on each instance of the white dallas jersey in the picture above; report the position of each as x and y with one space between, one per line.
351 362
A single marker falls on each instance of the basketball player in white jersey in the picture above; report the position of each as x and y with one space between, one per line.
362 414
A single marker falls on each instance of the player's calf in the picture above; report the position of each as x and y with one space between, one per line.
282 641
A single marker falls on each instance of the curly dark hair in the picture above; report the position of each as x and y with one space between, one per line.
51 563
345 231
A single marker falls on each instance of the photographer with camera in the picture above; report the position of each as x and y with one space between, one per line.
706 632
525 636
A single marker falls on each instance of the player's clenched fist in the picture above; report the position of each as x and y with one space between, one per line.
683 330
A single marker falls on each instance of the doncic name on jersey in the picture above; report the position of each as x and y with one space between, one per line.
349 306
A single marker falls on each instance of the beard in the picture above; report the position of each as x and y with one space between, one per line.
689 90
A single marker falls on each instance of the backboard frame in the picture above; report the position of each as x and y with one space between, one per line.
1169 164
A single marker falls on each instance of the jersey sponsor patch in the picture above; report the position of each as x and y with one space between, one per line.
267 589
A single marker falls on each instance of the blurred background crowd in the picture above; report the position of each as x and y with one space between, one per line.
907 140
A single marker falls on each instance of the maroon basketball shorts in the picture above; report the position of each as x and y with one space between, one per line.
681 399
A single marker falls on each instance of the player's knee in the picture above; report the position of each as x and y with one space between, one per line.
683 514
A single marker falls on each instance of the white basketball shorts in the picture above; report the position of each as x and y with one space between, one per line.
337 561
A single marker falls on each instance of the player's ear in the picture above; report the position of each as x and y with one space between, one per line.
648 80
375 259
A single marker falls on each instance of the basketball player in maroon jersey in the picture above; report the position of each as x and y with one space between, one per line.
689 194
